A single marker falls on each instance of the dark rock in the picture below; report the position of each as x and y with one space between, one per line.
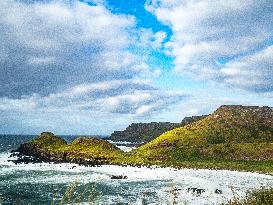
191 189
200 191
218 191
118 177
24 160
196 191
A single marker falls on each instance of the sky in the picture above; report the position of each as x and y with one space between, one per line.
84 67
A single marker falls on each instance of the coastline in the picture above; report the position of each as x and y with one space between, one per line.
147 180
129 159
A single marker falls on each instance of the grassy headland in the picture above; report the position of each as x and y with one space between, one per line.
233 137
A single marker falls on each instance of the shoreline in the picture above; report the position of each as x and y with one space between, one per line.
188 165
161 180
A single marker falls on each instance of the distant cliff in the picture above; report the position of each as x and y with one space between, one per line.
145 132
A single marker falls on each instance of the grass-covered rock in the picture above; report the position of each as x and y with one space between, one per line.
87 151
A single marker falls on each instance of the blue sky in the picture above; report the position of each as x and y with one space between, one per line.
95 66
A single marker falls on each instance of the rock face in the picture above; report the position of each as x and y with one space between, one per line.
145 132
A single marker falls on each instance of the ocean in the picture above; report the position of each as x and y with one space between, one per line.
49 183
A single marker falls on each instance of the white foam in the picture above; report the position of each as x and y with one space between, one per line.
124 142
125 148
158 180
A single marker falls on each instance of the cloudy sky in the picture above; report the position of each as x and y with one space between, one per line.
95 66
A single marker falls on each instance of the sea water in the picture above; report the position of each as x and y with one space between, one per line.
43 183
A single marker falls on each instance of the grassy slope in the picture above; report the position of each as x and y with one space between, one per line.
80 148
233 137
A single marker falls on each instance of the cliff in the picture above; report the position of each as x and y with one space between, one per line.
145 132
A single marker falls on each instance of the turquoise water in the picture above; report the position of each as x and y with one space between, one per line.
42 183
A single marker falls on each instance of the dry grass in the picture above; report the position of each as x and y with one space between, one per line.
262 196
73 196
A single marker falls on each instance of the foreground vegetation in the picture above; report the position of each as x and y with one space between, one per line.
263 196
257 197
88 195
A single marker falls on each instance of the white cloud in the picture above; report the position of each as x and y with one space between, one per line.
41 60
144 109
71 65
96 108
121 97
151 40
49 46
253 71
206 33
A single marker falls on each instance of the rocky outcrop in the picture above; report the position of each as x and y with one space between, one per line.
145 132
142 132
240 135
38 150
84 151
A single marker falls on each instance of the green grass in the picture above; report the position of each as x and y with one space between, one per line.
237 138
56 149
256 197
